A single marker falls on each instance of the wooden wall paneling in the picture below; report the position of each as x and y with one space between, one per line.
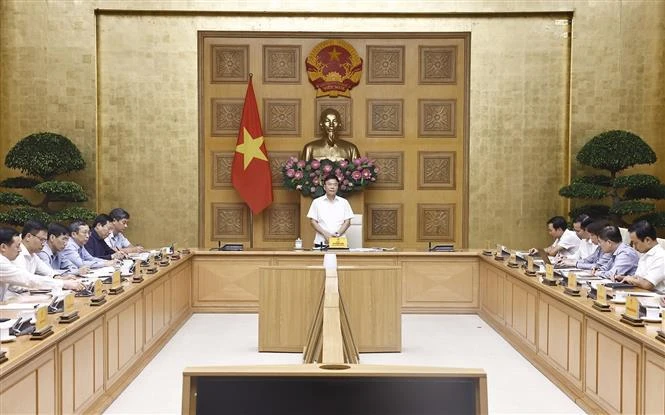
124 336
32 388
612 365
560 338
429 287
653 383
158 302
181 285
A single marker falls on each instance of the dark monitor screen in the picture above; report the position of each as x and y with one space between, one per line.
357 395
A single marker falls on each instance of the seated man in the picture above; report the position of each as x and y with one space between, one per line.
330 215
75 251
33 238
51 253
598 257
10 274
586 247
650 273
624 258
117 239
96 245
566 241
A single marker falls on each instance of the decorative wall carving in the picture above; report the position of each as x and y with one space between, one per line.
277 160
391 169
384 222
436 222
385 64
438 64
221 169
229 63
281 222
281 64
281 117
436 117
343 106
385 118
230 221
226 115
436 170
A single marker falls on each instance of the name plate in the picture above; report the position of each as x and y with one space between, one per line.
40 318
513 256
137 268
601 294
499 248
572 281
98 288
549 272
338 242
68 304
116 280
632 307
529 264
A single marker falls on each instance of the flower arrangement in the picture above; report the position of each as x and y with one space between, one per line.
308 177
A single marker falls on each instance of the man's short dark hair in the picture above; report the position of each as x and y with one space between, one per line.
33 227
586 222
57 230
596 226
118 214
7 234
558 222
642 229
101 219
332 176
611 233
74 226
581 218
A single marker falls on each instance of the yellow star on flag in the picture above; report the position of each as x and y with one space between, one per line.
334 54
250 148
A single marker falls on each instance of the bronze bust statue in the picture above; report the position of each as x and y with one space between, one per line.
329 146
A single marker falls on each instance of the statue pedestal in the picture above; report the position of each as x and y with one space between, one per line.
356 200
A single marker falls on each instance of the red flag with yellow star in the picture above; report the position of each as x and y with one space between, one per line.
250 172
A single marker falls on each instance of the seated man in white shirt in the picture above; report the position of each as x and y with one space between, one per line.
586 247
650 273
117 239
598 258
33 238
330 215
10 274
75 252
566 241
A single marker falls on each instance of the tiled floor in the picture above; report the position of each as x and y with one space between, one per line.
514 385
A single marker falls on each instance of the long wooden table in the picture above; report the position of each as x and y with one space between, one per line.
605 365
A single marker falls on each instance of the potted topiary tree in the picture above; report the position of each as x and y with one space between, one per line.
628 195
41 157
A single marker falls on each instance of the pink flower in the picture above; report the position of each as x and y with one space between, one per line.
327 168
312 175
298 175
376 170
290 173
348 173
315 181
356 175
293 159
345 182
373 179
366 174
343 163
288 165
299 187
301 163
339 177
338 171
315 164
343 187
357 162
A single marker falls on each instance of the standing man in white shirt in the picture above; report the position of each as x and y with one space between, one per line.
117 239
330 215
566 241
10 274
650 273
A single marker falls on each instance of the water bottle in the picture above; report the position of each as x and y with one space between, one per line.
298 244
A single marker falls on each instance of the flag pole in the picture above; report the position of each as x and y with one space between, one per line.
251 214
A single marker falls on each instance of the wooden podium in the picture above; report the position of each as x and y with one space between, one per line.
356 200
289 297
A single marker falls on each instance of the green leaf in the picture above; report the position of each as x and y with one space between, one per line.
20 183
45 155
616 150
635 180
630 207
62 191
13 199
655 191
20 215
600 180
583 191
73 213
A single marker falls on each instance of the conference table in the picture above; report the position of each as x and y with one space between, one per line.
604 365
